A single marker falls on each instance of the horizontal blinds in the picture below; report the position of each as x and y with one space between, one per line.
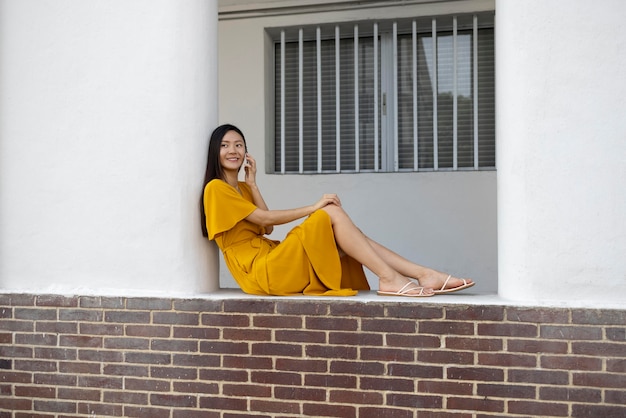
444 99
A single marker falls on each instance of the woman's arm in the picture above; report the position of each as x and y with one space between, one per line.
278 217
257 198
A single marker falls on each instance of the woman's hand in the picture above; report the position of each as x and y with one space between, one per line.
327 199
250 169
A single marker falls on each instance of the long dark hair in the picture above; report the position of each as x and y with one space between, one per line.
214 169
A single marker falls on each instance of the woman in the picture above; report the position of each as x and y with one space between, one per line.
322 256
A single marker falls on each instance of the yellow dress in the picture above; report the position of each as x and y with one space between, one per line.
305 262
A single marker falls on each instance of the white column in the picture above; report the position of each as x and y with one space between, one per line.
105 112
561 172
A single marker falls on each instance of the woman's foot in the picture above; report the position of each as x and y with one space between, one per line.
444 283
401 286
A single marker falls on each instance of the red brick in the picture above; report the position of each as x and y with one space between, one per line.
571 363
225 375
151 304
299 393
273 349
174 345
176 318
356 397
326 351
103 356
387 354
387 412
54 406
35 365
35 391
473 344
387 384
546 377
396 326
599 317
414 400
186 373
446 327
17 299
256 391
79 394
596 411
147 358
249 306
615 396
326 380
189 413
301 366
221 403
276 407
600 380
56 327
195 387
475 373
56 300
566 394
507 391
538 315
74 367
415 370
616 365
125 370
203 333
276 378
101 302
355 338
147 331
126 317
198 305
616 334
561 332
125 397
475 313
55 353
102 329
593 349
98 409
178 401
17 404
224 320
445 387
412 341
474 404
241 362
445 357
326 410
107 382
35 339
277 321
246 334
507 360
357 367
302 308
196 360
332 323
36 314
6 338
144 412
543 409
218 347
146 385
54 379
537 346
358 310
84 315
80 341
508 329
16 326
414 311
300 336
11 351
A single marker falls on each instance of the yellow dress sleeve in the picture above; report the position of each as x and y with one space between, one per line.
224 207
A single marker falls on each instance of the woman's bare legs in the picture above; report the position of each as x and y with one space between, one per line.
354 243
427 277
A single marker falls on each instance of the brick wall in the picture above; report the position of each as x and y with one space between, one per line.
184 358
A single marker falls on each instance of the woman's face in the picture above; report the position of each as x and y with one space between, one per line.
232 151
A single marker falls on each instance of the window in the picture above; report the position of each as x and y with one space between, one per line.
404 95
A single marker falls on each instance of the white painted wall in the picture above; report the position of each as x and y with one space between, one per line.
443 220
561 94
105 110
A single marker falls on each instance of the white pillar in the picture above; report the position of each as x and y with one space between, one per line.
561 146
105 112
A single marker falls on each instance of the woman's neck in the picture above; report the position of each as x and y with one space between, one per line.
232 179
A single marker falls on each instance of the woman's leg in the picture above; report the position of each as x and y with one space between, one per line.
427 277
354 243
